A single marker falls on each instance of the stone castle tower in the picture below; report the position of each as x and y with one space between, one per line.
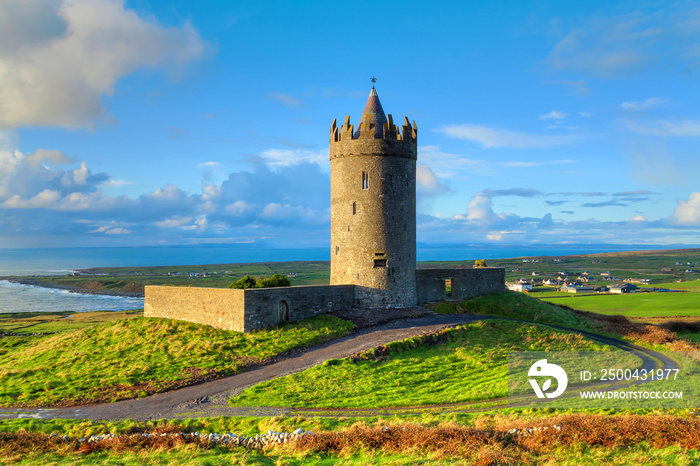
373 208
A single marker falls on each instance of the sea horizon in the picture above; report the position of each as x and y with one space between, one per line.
55 261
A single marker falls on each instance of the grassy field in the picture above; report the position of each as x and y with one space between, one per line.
634 305
514 305
133 279
690 285
46 322
660 266
138 356
470 364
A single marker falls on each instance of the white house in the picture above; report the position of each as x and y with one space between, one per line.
517 286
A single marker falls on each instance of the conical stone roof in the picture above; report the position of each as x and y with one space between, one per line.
377 118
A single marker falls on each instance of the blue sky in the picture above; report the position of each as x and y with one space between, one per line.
126 123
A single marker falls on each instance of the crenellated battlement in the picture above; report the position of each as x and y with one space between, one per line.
392 141
367 130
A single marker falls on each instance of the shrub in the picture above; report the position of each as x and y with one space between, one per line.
244 283
274 281
480 263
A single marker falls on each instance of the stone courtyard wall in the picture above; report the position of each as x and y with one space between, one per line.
219 307
270 306
257 308
466 283
245 310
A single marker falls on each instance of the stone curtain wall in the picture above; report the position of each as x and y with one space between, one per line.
466 283
219 307
245 310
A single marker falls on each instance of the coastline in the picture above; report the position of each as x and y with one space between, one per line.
72 289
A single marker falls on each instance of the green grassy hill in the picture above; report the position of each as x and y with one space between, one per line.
138 357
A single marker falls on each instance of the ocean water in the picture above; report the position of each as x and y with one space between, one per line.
23 298
27 262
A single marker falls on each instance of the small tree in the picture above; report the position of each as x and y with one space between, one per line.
244 283
274 281
480 263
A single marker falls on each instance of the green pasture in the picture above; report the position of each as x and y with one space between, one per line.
220 275
515 305
471 365
136 357
634 304
690 285
46 322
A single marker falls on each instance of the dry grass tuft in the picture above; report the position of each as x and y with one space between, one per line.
610 431
498 446
621 325
493 443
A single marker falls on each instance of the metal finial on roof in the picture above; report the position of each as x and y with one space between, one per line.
374 80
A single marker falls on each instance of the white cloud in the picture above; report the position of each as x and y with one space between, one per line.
520 192
24 176
651 102
638 218
277 158
553 115
169 192
687 213
480 210
111 230
116 183
617 46
239 208
60 57
523 164
677 128
428 184
445 163
174 222
285 214
45 199
52 157
494 137
209 164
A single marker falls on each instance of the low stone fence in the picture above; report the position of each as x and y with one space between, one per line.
433 284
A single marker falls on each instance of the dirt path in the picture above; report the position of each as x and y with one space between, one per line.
210 399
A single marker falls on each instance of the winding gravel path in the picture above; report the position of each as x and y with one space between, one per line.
210 399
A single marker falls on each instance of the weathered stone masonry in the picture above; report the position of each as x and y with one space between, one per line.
463 283
373 243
